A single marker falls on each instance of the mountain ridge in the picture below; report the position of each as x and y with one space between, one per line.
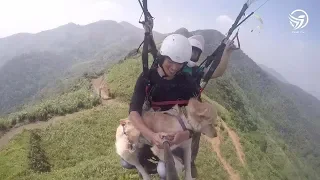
258 102
101 44
273 72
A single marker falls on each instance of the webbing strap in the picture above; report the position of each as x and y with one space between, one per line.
180 121
145 55
163 103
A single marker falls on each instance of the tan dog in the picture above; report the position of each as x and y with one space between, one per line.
128 144
198 117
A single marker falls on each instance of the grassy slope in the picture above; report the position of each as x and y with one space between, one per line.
77 97
83 147
275 163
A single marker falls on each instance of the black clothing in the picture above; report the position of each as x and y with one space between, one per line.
181 87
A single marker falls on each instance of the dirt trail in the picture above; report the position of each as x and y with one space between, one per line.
101 88
5 139
236 142
216 147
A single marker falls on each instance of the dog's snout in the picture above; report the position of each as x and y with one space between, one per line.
209 131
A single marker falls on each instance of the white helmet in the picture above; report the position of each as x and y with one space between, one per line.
197 41
177 47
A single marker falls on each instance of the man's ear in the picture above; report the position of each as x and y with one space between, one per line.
123 122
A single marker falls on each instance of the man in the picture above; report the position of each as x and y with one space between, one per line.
168 86
197 42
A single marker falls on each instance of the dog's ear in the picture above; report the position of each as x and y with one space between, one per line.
123 122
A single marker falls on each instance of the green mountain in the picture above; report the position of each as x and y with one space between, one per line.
278 123
26 74
65 52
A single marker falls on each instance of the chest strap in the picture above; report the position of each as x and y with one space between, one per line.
178 117
181 121
163 103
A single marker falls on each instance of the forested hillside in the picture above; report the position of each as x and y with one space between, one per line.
65 52
273 73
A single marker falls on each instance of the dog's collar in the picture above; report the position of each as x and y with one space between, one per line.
131 146
182 123
185 113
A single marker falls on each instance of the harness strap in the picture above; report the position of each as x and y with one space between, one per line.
180 121
163 103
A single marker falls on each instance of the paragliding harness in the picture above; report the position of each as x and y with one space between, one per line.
149 46
210 63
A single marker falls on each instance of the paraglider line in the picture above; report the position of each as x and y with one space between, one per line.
261 6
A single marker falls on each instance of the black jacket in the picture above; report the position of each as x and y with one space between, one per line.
181 87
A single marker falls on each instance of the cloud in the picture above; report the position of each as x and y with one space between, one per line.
223 23
224 19
38 15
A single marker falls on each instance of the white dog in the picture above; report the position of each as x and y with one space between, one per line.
197 116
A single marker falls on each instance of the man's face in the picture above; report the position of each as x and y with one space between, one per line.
196 52
170 67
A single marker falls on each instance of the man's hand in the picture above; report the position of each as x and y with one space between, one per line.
179 137
158 139
230 47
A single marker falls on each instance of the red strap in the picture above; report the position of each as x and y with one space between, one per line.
163 103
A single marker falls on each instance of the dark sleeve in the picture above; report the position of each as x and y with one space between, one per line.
138 95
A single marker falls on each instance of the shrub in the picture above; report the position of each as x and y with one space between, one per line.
4 124
13 122
37 159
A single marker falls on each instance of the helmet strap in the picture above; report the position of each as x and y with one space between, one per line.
164 72
160 60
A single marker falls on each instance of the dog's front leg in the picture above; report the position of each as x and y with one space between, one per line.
133 159
143 172
187 159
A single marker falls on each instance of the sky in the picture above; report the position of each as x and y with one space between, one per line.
294 55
